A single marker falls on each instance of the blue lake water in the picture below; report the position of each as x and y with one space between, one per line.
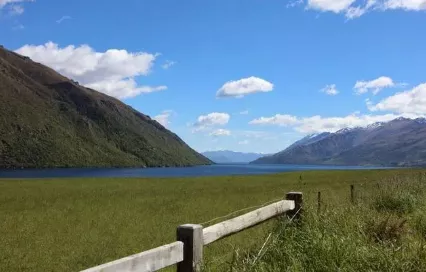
210 170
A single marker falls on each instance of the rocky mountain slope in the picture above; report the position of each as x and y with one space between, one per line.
47 120
401 142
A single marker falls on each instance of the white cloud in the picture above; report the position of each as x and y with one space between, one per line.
278 119
113 72
63 18
220 132
375 85
244 112
125 88
164 118
244 142
168 64
317 123
405 4
407 102
355 8
242 87
335 6
207 122
330 89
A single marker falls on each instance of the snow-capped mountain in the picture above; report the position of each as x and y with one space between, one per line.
399 142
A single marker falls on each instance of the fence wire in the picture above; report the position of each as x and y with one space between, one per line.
244 209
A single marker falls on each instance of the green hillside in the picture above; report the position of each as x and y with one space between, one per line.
47 120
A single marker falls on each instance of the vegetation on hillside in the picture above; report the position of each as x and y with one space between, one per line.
47 120
72 224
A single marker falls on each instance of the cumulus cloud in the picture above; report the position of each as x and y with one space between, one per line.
245 86
113 72
220 132
330 89
405 4
356 8
168 64
335 6
407 102
63 18
375 85
278 119
164 118
207 122
318 123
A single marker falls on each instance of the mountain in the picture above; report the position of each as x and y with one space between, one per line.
400 142
312 138
226 156
48 120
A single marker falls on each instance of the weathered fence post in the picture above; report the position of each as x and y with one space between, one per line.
192 237
352 194
319 202
297 197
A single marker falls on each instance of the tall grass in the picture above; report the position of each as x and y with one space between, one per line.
73 224
384 231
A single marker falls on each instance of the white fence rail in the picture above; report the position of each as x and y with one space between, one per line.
151 260
187 252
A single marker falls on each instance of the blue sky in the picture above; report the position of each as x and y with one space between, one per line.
244 75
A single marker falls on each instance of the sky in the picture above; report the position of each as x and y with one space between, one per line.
241 75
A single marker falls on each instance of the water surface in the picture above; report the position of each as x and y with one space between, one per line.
206 170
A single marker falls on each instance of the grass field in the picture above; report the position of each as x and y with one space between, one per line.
72 224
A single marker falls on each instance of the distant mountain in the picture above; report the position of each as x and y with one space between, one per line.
48 120
400 142
226 156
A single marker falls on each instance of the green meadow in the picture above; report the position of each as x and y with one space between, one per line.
73 224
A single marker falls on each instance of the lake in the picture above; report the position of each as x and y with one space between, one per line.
206 170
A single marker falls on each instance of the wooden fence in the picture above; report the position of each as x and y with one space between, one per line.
187 252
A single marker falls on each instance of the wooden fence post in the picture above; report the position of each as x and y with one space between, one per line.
319 202
192 237
297 197
352 194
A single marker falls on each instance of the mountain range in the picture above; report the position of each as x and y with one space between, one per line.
48 120
400 142
226 156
